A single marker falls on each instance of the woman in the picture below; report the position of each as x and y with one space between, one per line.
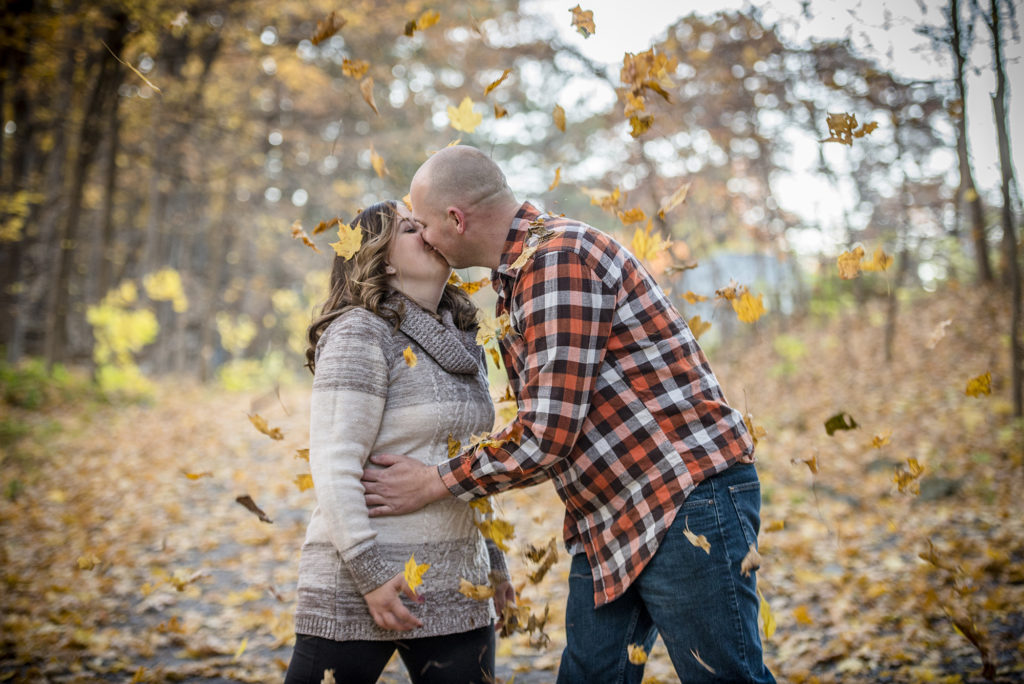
370 395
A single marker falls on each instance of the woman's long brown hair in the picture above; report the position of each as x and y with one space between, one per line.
362 281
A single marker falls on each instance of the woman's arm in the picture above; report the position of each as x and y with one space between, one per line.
346 408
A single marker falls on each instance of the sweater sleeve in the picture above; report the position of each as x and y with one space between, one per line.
346 408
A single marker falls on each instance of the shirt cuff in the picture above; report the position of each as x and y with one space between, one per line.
369 569
456 477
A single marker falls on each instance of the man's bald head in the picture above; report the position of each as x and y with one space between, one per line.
462 176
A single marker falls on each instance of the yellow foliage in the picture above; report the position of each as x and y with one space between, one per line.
981 385
235 334
477 592
645 244
410 357
558 116
463 118
637 654
498 531
350 239
748 308
583 20
165 286
414 572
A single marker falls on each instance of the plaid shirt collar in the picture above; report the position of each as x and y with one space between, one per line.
515 243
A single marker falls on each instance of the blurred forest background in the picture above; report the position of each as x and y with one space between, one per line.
158 160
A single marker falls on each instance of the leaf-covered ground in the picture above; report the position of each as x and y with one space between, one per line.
119 566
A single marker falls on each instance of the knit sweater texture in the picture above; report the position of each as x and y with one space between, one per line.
368 400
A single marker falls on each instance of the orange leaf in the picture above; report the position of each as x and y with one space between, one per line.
583 20
300 234
327 27
261 424
366 88
558 114
494 84
558 179
354 68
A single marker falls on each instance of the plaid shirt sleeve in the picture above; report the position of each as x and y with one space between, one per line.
563 315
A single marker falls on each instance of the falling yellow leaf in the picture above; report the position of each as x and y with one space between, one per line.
677 198
608 200
261 424
811 463
302 453
698 327
842 128
328 677
495 356
647 245
767 619
698 540
583 20
414 572
879 441
775 526
849 263
525 256
378 163
477 592
350 239
693 297
410 357
366 88
637 654
748 308
87 561
907 479
454 446
558 115
803 615
980 385
196 476
354 68
499 111
241 649
757 432
558 179
634 215
483 506
497 82
425 21
880 261
638 125
498 531
751 562
731 292
303 481
464 118
327 27
700 661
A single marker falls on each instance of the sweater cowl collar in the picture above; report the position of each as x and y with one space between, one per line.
452 349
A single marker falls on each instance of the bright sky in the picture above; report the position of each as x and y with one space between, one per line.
630 26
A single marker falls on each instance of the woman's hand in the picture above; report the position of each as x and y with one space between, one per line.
387 609
504 594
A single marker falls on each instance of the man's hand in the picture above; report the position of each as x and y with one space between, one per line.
387 609
404 485
504 594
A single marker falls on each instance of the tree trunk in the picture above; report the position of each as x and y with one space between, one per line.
1012 273
104 85
107 256
967 193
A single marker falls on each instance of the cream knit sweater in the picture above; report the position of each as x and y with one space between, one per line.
366 399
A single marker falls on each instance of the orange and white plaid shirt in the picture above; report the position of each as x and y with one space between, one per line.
617 403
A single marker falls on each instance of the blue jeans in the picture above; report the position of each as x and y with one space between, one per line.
700 603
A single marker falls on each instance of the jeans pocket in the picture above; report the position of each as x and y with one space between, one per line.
746 501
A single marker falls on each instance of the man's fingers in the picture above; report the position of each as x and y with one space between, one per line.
385 459
374 500
378 511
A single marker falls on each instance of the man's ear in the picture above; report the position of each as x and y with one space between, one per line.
458 218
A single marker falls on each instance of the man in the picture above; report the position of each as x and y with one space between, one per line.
619 407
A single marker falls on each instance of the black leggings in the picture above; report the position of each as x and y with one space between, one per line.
464 658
